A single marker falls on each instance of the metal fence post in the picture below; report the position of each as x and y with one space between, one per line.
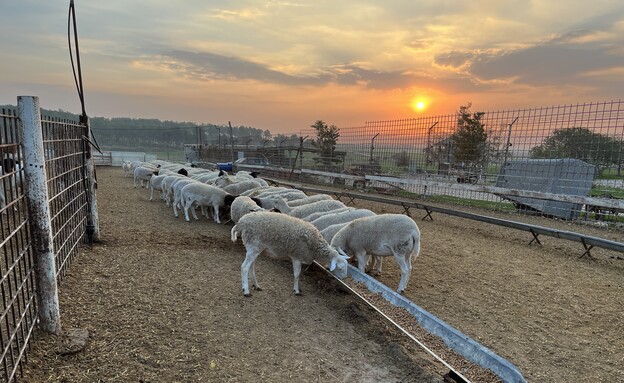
31 137
93 223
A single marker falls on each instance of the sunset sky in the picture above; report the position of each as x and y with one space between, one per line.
281 65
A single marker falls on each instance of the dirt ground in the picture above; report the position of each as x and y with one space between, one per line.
161 300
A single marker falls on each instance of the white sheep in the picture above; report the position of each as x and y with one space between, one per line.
318 214
305 210
381 235
243 205
309 199
167 186
340 217
289 195
329 232
239 187
143 174
200 194
127 168
176 193
283 237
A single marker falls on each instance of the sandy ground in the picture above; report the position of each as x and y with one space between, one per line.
162 303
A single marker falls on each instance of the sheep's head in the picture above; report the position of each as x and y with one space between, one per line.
338 263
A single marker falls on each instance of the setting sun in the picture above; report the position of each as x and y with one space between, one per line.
418 105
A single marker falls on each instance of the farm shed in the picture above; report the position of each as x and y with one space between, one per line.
557 176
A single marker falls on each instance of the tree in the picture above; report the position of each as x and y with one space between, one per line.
402 158
326 139
469 142
582 144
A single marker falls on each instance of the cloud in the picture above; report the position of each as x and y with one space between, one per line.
213 66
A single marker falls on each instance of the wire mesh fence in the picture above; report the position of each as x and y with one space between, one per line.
17 286
64 157
558 150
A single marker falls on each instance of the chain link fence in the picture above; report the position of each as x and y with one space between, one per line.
473 157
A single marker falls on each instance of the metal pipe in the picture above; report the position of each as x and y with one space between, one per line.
31 136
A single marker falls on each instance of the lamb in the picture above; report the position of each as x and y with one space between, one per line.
320 214
289 195
167 186
155 183
143 174
243 205
283 237
239 187
381 235
329 232
176 192
309 199
340 217
200 194
304 210
127 168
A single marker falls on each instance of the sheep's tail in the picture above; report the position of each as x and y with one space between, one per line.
416 243
234 233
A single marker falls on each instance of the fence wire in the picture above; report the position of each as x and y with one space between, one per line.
63 149
19 311
563 150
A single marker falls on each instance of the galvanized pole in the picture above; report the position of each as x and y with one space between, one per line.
31 136
93 223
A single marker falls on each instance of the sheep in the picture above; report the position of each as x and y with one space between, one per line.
200 194
176 192
289 195
319 214
309 199
329 232
381 235
9 170
340 217
243 205
283 237
239 187
155 183
254 191
304 210
127 168
166 186
143 174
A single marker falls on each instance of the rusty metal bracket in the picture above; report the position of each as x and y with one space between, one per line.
534 237
587 249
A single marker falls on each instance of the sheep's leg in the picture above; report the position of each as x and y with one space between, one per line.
405 271
248 263
135 179
375 266
175 203
254 281
296 271
187 205
152 192
362 261
194 208
216 213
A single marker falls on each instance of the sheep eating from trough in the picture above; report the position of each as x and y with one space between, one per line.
381 235
283 237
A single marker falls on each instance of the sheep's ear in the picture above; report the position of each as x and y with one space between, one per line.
343 255
332 265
